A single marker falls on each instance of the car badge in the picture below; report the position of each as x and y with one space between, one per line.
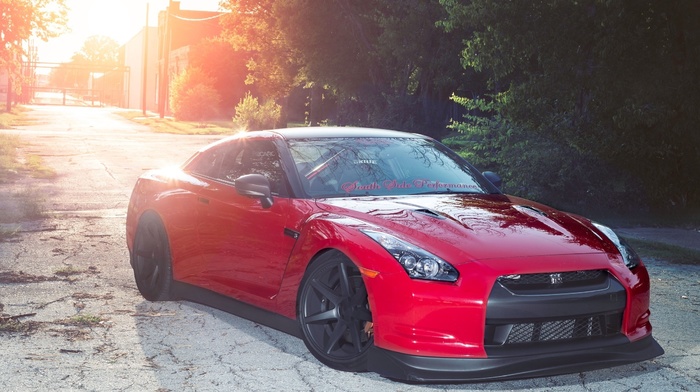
556 278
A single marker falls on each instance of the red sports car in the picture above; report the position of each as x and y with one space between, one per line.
387 252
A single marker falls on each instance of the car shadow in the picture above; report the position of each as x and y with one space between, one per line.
198 341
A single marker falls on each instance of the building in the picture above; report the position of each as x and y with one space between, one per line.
178 30
140 55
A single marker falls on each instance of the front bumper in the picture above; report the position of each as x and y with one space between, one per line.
584 357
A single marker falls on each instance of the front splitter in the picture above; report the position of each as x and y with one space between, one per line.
421 369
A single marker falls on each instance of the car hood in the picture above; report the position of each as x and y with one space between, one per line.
475 227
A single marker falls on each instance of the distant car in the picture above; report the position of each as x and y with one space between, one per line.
387 252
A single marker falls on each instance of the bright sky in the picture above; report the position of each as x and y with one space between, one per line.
118 19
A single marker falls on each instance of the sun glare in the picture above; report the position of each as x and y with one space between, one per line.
109 18
120 20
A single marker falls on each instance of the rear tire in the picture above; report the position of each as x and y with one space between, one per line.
334 313
151 259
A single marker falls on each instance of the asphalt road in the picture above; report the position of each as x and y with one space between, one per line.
75 263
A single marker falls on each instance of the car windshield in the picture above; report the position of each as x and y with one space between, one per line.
339 167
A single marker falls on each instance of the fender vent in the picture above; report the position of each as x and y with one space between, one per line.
531 208
429 213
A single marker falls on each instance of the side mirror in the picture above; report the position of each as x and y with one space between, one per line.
494 178
255 185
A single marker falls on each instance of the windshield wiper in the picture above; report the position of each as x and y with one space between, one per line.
321 167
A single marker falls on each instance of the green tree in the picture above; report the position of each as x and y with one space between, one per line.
98 51
594 97
74 74
21 20
99 54
252 116
384 65
193 96
252 27
227 69
388 66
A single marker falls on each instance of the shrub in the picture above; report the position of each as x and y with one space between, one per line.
252 116
193 97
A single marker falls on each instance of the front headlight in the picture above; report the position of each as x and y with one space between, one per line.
418 263
628 254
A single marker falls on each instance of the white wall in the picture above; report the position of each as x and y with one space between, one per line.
133 58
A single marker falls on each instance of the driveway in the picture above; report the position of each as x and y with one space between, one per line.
80 323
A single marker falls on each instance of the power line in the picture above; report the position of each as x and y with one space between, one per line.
198 20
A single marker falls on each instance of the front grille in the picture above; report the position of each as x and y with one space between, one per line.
554 330
572 279
529 311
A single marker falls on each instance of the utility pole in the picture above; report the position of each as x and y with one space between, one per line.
9 90
164 77
144 90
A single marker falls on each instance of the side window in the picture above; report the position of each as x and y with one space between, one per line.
208 163
231 165
255 157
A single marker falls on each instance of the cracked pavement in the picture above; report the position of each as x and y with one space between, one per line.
81 324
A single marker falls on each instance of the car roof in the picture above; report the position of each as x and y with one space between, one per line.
334 132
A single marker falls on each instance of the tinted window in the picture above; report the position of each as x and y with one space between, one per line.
229 161
380 166
208 163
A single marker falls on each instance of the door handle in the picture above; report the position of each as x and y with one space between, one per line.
203 200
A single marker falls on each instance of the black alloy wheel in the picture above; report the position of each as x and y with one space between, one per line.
334 313
151 259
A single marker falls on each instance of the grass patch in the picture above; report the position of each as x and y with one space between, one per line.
21 206
68 271
10 166
37 168
671 253
14 117
169 125
24 205
10 325
21 277
8 156
84 320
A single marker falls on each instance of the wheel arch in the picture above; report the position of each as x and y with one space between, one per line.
151 258
320 254
328 235
334 312
133 226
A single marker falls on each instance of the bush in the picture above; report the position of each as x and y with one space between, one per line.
252 116
193 97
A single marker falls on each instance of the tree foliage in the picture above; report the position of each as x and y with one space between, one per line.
23 19
585 100
98 50
384 65
253 27
193 97
97 54
594 97
253 116
227 69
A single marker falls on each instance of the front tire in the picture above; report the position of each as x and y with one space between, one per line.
151 259
334 313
